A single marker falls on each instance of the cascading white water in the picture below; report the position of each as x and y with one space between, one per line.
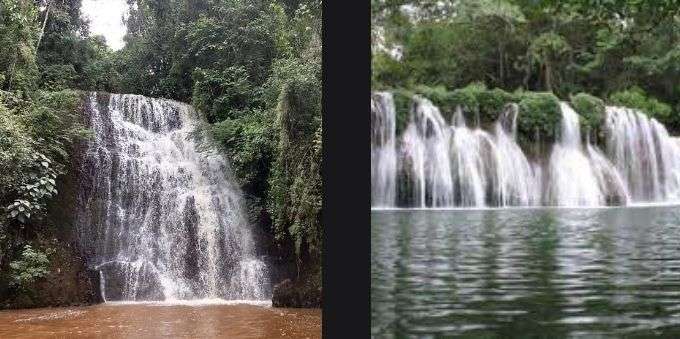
447 165
573 181
425 145
608 178
518 181
383 150
160 219
454 165
645 155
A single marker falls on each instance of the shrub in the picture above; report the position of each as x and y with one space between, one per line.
31 266
492 102
295 194
591 109
249 142
402 105
222 94
15 151
635 97
467 99
475 100
387 71
539 112
58 77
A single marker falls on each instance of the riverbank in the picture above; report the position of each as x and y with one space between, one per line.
123 320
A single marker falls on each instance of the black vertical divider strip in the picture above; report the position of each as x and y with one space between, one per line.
346 169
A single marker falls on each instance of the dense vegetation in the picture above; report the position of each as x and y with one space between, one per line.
623 52
252 67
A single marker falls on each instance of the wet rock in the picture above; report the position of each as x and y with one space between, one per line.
301 293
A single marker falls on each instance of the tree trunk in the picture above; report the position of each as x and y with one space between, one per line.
500 60
548 76
527 75
42 31
11 74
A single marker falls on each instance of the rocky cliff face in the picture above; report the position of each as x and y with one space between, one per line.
68 283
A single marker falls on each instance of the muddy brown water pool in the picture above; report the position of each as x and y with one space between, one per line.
161 321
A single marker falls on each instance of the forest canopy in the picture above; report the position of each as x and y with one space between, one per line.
625 52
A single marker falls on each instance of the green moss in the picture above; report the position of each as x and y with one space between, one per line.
539 113
440 97
402 104
492 102
467 98
636 98
591 109
475 100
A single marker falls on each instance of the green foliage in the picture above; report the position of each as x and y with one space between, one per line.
56 124
31 266
565 47
539 115
35 143
388 72
591 109
476 101
15 151
249 142
428 54
492 102
222 94
58 77
18 35
295 194
100 65
403 100
39 187
636 98
547 49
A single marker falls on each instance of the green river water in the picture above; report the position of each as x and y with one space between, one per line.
526 273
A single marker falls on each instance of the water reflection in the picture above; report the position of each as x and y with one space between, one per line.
504 273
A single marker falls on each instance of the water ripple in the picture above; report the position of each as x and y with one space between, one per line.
526 272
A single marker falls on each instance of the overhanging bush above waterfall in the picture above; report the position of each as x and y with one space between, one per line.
402 104
591 109
635 97
539 113
480 105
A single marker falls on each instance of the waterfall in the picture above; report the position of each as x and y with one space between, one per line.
160 218
383 150
425 145
645 155
573 180
454 165
518 181
435 163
